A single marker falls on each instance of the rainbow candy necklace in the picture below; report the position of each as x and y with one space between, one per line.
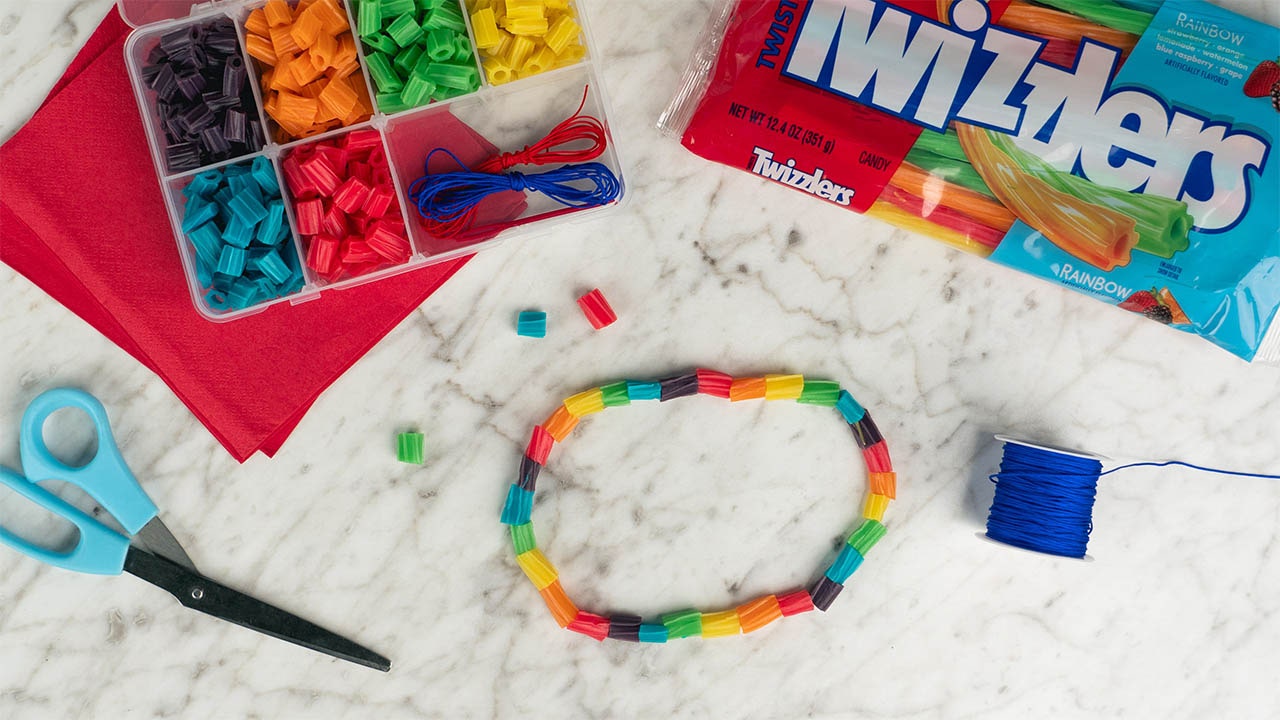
744 618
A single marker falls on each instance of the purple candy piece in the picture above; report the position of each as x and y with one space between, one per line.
212 140
234 127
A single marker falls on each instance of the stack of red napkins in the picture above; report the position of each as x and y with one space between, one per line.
81 216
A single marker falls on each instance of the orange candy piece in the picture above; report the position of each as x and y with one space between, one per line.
758 613
562 608
311 81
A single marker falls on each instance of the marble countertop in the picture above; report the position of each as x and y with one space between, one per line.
686 503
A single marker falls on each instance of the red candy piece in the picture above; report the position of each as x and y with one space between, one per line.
540 445
597 309
591 625
346 206
794 603
877 457
713 383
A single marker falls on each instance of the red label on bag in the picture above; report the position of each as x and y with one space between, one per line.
788 132
755 117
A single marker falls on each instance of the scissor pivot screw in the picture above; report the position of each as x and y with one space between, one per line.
197 593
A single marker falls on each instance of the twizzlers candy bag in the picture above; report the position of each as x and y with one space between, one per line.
1123 148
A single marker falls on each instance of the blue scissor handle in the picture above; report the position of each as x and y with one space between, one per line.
99 550
106 477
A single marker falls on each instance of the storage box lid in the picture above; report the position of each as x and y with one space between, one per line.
144 12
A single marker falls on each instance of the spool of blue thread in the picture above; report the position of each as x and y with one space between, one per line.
1044 496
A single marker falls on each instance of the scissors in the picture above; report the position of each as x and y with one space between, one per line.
148 550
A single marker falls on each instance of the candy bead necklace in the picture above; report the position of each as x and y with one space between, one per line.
745 618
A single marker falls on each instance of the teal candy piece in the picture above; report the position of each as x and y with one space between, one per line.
208 243
643 390
237 232
866 536
650 633
519 506
274 268
198 213
106 478
243 294
269 229
531 323
231 261
203 185
845 564
247 205
849 408
265 175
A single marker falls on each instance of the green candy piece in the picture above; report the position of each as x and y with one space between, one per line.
368 18
820 392
1162 224
462 49
409 448
429 5
396 8
522 538
615 394
1110 14
444 93
384 76
446 16
417 90
959 172
458 77
408 58
382 43
405 30
682 624
440 45
391 103
866 536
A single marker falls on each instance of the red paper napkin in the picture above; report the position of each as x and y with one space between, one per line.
81 216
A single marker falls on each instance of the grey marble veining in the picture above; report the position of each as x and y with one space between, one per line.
654 507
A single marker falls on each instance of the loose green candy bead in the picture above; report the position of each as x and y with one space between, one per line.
369 18
384 76
409 448
440 45
392 103
408 58
417 90
446 16
382 43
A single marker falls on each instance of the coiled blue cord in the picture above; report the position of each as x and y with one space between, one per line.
450 196
1044 499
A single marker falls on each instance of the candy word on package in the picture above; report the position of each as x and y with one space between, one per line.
1122 148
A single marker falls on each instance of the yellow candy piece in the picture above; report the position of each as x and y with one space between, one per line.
520 25
537 567
496 69
557 4
571 55
585 403
504 44
486 29
783 387
542 61
875 507
721 624
563 32
525 9
521 48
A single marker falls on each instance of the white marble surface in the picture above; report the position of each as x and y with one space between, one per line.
657 507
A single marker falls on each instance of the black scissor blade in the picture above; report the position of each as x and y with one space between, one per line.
200 593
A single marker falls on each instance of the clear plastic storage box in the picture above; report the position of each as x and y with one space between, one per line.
510 116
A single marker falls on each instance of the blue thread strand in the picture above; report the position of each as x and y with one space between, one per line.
449 196
1044 499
